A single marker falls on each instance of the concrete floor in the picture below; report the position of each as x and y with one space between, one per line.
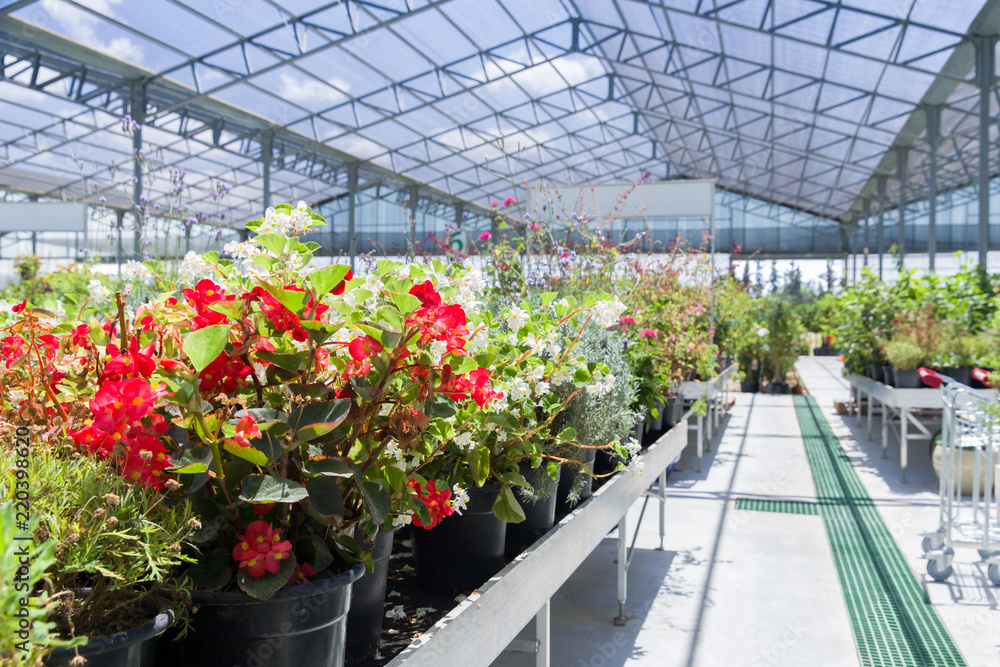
736 588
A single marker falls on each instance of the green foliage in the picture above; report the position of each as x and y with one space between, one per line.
25 633
108 535
904 355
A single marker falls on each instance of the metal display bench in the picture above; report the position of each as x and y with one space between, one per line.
899 414
488 622
715 394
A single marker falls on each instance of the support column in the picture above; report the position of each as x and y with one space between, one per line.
120 215
414 199
880 236
352 194
34 243
902 159
137 109
932 113
868 221
266 156
985 45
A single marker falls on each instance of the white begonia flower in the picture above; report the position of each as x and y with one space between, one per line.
423 611
133 271
459 499
553 344
464 440
393 451
396 612
632 446
402 519
541 388
635 465
562 375
260 371
438 349
517 318
193 268
245 250
97 291
607 313
476 343
499 404
519 389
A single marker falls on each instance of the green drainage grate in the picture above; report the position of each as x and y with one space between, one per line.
893 624
784 506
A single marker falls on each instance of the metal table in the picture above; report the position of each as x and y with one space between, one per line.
715 394
488 622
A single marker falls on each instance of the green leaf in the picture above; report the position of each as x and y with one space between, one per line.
440 406
268 444
325 496
329 414
273 242
581 377
513 479
262 588
190 469
265 260
211 571
568 434
390 316
333 468
407 303
506 508
462 365
325 279
293 300
251 454
290 362
205 345
376 499
231 309
268 489
478 458
547 297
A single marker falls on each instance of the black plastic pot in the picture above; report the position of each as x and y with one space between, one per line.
301 625
962 373
539 517
907 379
461 552
675 409
566 480
888 375
658 422
134 648
749 387
875 371
364 620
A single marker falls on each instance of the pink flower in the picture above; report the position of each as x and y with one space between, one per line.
625 321
533 226
493 204
485 236
649 333
508 202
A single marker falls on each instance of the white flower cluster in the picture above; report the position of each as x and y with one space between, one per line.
193 268
463 440
245 250
516 318
98 292
459 499
135 271
470 285
563 375
608 312
286 222
393 452
602 384
632 446
635 465
402 519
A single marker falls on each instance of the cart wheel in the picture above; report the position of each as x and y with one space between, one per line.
941 574
986 554
931 542
994 574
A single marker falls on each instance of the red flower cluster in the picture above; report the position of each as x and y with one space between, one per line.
436 321
436 502
11 349
282 318
205 293
246 428
136 364
224 375
482 391
360 349
119 408
261 549
300 573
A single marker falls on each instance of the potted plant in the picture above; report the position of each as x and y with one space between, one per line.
906 357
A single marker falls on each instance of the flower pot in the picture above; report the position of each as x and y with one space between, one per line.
962 373
888 376
566 483
675 409
463 551
364 620
539 517
133 648
658 421
300 625
907 379
875 371
749 387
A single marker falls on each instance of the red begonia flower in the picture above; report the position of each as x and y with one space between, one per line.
436 502
363 347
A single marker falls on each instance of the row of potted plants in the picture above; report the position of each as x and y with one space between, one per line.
254 438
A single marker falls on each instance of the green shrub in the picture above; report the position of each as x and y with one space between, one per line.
904 355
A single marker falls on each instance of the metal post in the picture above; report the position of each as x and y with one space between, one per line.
137 109
120 214
984 78
932 114
711 284
902 158
880 237
543 628
622 568
266 157
414 200
34 243
868 220
352 194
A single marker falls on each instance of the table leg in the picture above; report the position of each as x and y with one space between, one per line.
904 418
857 404
869 429
886 412
663 506
542 634
701 443
622 568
